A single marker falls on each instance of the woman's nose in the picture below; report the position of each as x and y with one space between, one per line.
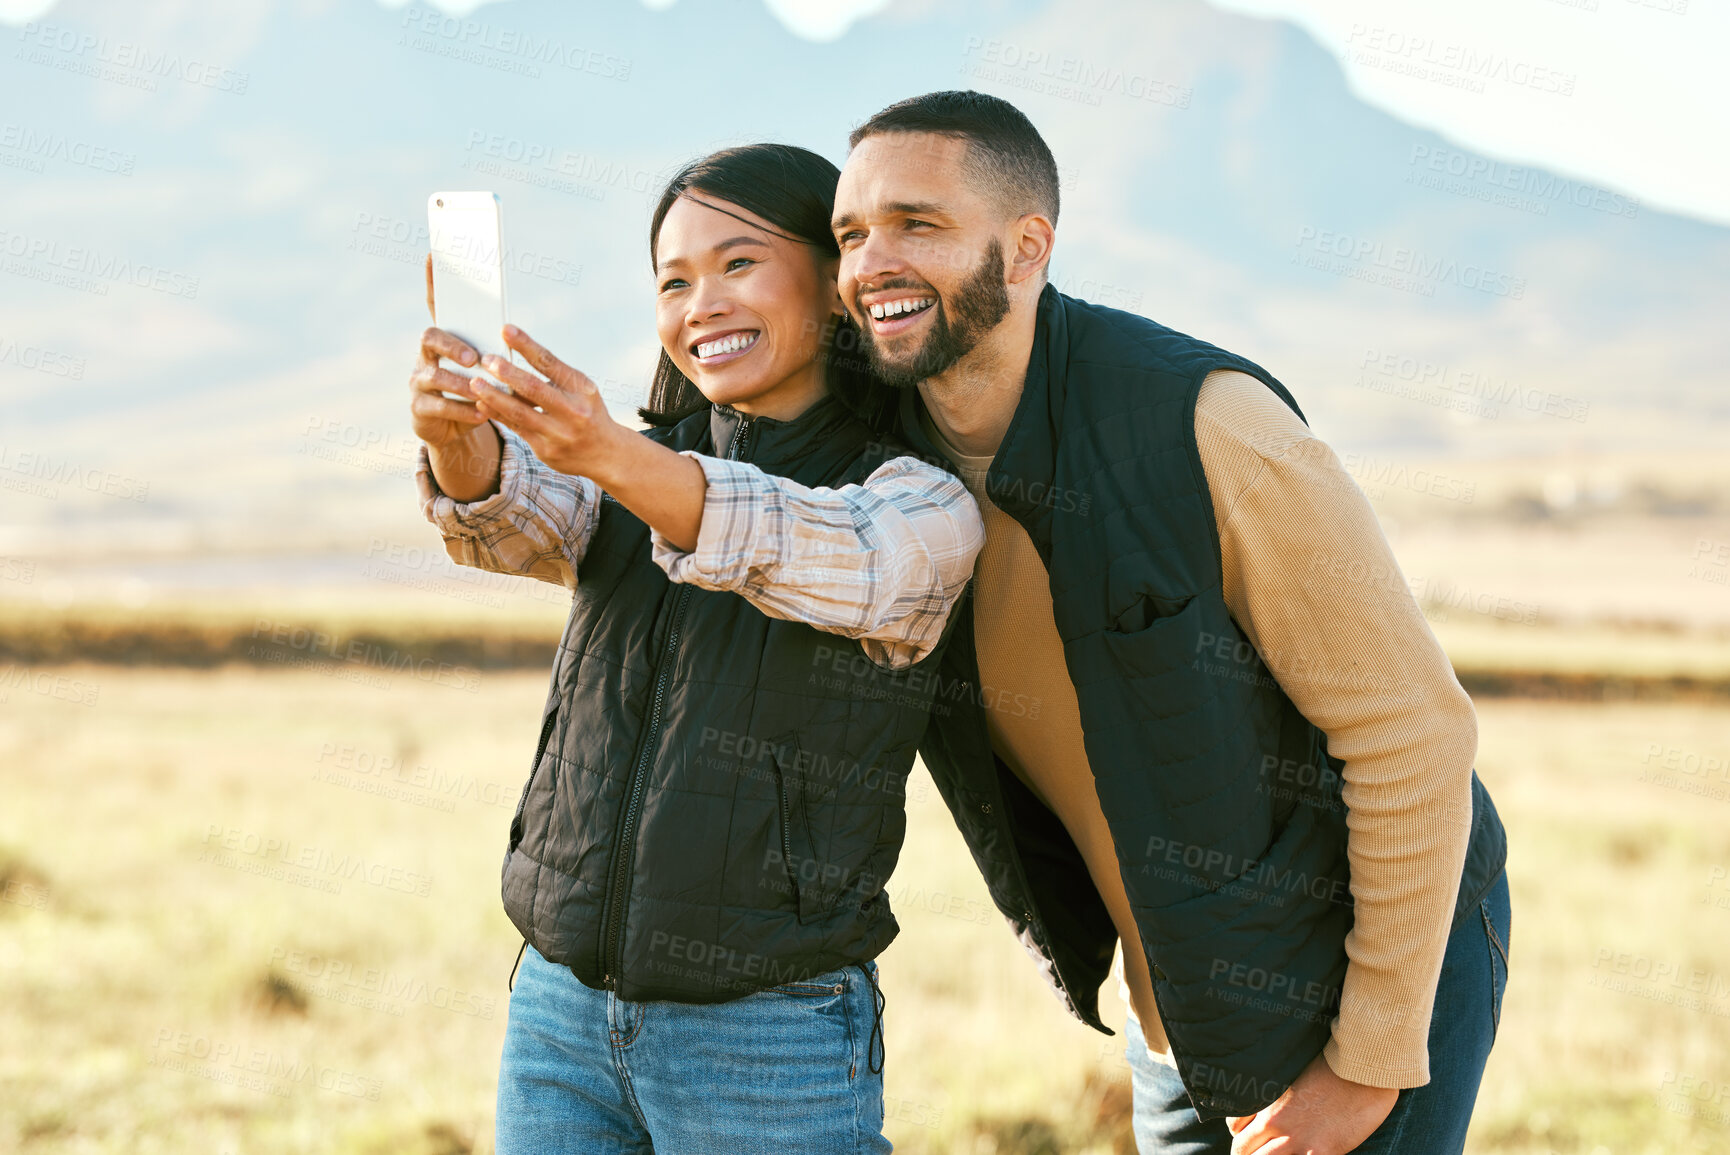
708 302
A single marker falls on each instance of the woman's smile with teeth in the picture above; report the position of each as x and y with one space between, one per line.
898 308
731 343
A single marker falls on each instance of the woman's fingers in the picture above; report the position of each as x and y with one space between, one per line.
430 311
430 406
522 382
518 411
436 343
551 367
434 380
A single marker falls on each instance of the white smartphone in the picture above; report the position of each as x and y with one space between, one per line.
466 231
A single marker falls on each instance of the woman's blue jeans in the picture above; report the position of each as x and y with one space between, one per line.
784 1071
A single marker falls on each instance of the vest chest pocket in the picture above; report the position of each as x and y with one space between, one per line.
1163 663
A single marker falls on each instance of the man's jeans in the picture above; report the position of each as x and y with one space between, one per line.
1427 1120
786 1071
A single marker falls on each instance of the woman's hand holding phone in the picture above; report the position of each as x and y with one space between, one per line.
462 446
559 412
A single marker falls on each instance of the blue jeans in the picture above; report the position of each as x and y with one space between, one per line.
784 1071
1427 1120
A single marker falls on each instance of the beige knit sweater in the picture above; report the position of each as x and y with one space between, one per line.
1311 581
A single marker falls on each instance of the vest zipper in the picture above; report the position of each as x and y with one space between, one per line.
624 843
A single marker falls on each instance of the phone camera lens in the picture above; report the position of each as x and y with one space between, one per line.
440 202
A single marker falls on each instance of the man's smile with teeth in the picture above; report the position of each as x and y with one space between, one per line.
731 343
899 308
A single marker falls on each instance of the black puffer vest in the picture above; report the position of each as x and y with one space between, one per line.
718 797
1222 799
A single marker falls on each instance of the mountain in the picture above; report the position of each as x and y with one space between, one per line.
212 219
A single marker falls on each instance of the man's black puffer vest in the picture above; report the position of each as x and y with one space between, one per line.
1222 799
718 797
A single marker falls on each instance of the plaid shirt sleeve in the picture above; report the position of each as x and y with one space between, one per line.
537 525
883 562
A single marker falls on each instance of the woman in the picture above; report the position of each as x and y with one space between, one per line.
698 859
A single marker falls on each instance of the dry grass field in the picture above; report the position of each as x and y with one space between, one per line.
248 910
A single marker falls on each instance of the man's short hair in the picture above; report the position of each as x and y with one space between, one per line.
1005 155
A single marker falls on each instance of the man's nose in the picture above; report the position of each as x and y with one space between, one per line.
874 261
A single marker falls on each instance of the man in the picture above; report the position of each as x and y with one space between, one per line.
1250 759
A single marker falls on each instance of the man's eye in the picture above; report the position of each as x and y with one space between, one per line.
918 224
849 237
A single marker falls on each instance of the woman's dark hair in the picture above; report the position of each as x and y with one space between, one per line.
794 190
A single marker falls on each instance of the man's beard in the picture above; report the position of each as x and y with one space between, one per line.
980 305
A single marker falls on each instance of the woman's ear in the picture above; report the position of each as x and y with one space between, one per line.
830 270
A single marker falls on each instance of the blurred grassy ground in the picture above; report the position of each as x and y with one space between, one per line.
159 993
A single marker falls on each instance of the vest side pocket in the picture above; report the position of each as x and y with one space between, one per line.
547 725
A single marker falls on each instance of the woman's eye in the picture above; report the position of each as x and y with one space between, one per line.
674 283
736 262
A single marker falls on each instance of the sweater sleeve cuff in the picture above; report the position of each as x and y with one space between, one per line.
1350 1062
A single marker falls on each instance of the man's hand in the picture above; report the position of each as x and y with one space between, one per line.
1320 1114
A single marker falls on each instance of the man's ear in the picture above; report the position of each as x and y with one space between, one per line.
1034 237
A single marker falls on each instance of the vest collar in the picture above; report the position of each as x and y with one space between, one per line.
769 442
1046 368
